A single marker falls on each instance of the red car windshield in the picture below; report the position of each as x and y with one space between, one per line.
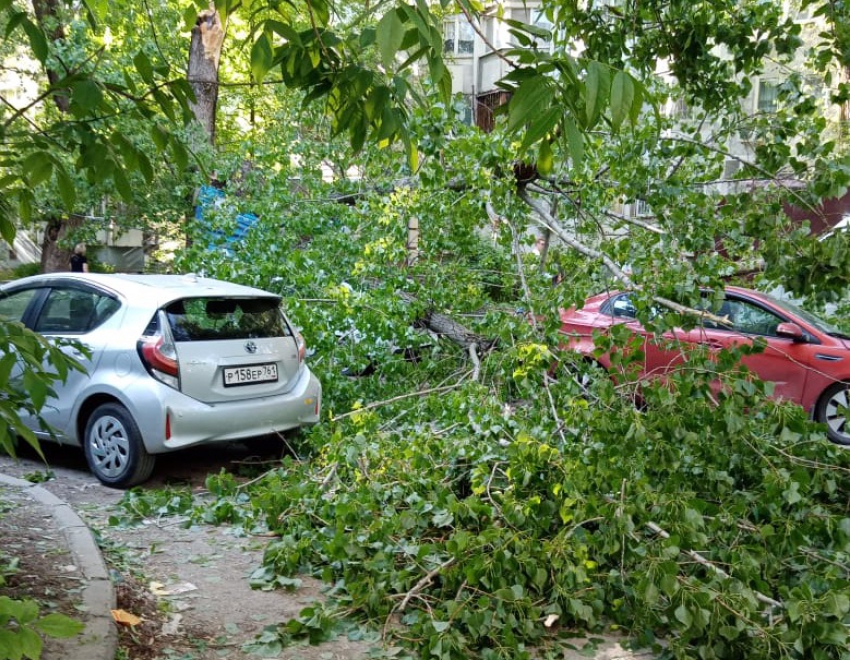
808 317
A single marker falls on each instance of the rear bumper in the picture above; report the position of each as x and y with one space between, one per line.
191 422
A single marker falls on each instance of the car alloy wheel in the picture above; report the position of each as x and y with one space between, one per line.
832 410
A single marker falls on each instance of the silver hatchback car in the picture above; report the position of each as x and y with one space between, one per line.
172 361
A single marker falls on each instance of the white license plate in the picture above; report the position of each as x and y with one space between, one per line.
250 374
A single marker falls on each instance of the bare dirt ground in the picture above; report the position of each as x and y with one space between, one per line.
215 611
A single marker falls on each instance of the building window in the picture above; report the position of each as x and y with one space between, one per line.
678 109
768 99
640 209
538 19
458 36
490 32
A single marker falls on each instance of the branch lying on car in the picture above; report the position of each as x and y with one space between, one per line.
551 223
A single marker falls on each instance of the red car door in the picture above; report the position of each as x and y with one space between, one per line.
783 361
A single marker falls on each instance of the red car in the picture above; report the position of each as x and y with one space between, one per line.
807 359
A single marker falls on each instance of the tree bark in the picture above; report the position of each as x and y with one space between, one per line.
53 257
202 72
48 19
445 326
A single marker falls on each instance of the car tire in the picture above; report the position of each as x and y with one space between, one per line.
114 449
827 411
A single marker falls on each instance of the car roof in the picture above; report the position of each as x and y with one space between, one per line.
158 289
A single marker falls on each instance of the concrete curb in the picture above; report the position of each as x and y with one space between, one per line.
99 640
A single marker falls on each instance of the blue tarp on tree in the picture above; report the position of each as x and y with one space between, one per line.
211 198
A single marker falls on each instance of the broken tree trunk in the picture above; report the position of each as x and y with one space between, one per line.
202 72
445 326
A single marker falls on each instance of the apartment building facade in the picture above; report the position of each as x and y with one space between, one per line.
477 60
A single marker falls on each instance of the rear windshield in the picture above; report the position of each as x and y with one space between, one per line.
203 319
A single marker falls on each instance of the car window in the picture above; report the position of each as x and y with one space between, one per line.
74 311
14 305
620 306
204 319
746 318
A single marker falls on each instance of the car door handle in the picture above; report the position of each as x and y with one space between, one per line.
712 344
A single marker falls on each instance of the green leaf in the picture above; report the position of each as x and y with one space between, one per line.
650 593
390 34
36 387
262 57
31 644
181 156
683 616
98 8
637 101
26 611
533 97
597 84
59 625
838 605
10 645
412 155
39 168
144 67
37 39
122 183
159 136
545 159
622 97
144 165
541 127
575 141
87 95
66 187
376 101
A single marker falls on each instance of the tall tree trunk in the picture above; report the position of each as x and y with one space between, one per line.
53 257
202 72
48 19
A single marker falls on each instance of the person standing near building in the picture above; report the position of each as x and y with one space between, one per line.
79 263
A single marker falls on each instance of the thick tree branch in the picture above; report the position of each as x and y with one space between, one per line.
554 226
495 218
636 222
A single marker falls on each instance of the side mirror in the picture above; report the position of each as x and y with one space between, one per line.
791 331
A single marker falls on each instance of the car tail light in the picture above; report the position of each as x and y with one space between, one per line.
302 346
160 358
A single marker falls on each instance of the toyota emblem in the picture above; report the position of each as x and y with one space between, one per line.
251 347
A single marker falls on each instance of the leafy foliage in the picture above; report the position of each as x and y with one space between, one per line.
524 499
21 628
29 365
